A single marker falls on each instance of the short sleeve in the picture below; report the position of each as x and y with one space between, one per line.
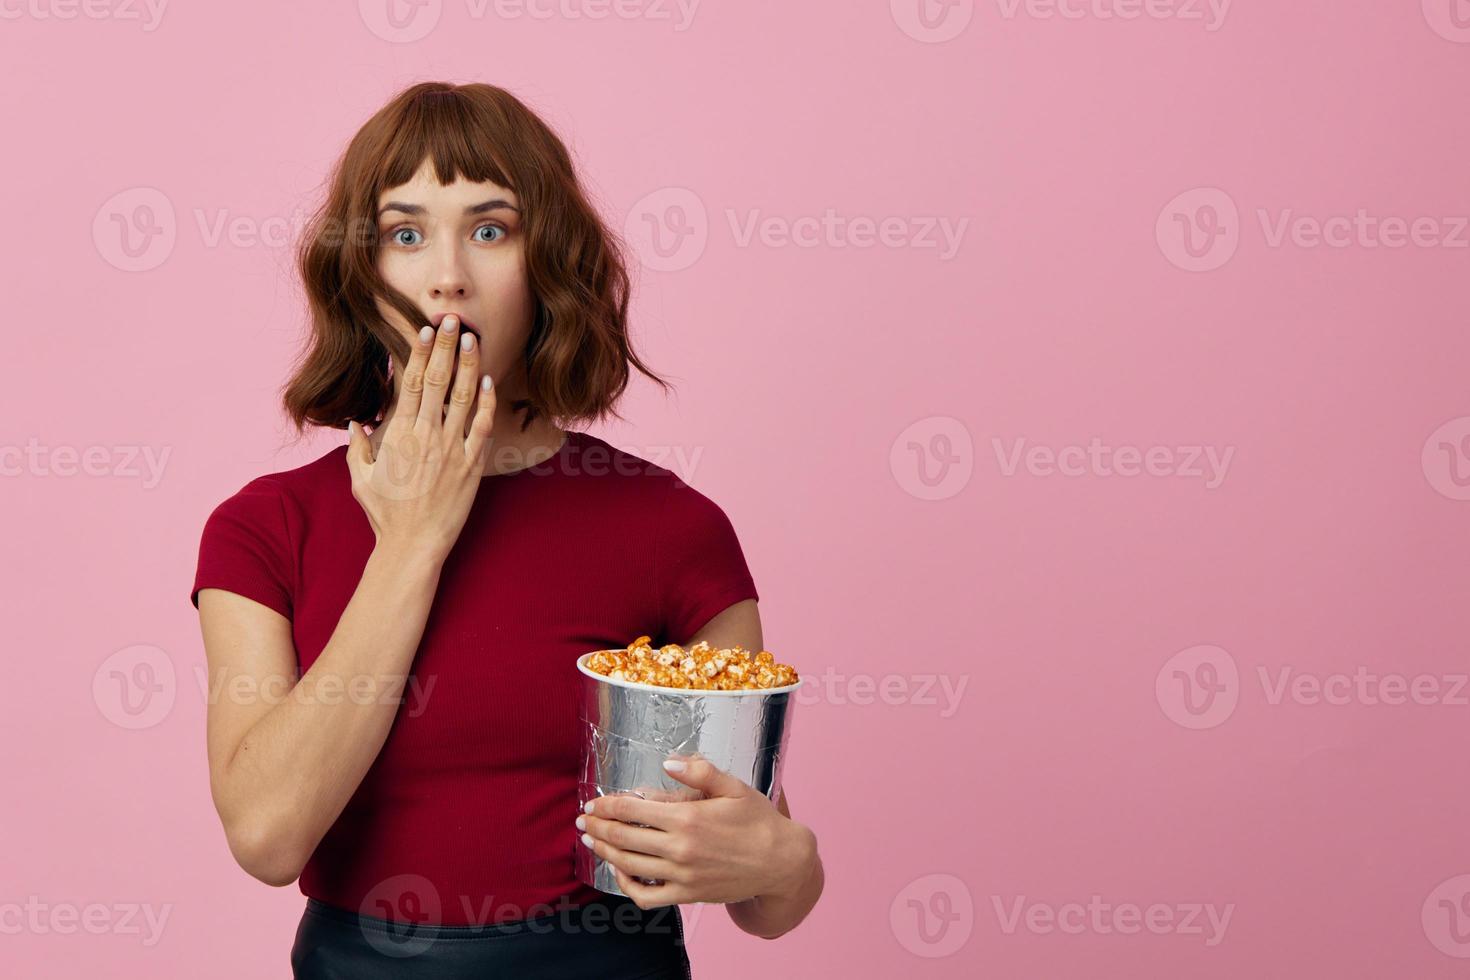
245 548
699 567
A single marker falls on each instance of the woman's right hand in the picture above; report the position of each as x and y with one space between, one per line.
418 487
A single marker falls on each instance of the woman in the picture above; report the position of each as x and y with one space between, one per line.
394 624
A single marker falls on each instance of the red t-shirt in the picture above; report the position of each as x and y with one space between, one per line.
470 804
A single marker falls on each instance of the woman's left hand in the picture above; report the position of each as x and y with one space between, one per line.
731 846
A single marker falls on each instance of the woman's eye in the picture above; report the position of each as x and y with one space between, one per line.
397 236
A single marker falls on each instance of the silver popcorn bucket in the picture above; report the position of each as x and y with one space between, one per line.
629 729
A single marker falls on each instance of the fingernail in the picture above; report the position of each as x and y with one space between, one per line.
587 839
485 383
581 823
426 334
587 807
466 341
674 765
448 324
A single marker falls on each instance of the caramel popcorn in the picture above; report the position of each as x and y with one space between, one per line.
701 667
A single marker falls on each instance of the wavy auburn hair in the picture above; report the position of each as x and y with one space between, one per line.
577 356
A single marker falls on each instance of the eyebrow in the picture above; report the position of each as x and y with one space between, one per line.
480 208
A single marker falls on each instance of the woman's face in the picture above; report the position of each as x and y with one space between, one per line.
459 249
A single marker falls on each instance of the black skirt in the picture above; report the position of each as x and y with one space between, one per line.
612 939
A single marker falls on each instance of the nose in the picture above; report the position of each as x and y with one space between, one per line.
448 276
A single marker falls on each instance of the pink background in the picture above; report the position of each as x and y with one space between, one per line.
1115 643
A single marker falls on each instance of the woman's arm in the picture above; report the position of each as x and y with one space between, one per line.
773 915
770 915
283 759
286 756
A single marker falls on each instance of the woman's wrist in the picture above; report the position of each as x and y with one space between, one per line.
798 856
782 906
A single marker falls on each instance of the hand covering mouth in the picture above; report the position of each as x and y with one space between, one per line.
465 326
